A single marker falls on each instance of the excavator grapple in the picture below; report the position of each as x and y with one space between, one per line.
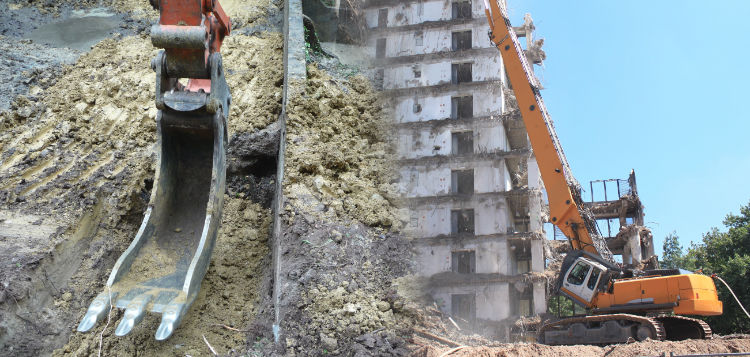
162 269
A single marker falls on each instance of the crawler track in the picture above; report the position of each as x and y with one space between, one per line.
601 329
680 328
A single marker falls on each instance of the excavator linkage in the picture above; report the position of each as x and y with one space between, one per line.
162 269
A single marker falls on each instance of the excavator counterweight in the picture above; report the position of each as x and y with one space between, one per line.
162 269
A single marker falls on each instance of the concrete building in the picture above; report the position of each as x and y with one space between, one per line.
471 181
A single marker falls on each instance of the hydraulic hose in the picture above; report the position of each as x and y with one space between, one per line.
732 292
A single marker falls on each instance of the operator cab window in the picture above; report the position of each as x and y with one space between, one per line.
578 273
591 284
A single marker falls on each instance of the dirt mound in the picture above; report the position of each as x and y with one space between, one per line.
341 252
645 348
340 152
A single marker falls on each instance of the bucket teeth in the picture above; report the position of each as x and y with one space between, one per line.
134 313
97 310
170 320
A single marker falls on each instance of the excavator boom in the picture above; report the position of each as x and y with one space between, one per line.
563 191
162 269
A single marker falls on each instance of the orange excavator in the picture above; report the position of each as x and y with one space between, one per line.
162 269
621 304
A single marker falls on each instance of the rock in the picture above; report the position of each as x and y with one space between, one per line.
328 343
337 237
259 144
350 309
291 342
383 306
366 340
67 296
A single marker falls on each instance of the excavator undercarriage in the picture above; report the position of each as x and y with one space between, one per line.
621 328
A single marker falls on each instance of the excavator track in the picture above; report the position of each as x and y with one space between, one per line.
680 328
601 330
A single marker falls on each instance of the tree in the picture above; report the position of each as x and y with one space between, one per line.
726 254
672 256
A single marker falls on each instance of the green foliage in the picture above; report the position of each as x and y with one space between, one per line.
562 306
726 254
672 255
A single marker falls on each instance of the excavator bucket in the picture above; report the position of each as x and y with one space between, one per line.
162 269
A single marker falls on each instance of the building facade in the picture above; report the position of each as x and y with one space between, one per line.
472 185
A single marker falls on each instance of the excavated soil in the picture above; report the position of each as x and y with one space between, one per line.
341 251
340 152
645 348
226 299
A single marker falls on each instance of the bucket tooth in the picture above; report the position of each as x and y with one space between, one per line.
170 320
97 310
134 314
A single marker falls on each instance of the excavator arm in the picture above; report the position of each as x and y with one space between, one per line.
563 191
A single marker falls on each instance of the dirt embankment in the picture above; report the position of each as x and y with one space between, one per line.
76 165
340 250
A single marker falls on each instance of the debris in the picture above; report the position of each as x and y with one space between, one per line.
437 338
209 346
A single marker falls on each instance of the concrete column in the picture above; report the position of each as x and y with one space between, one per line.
634 241
648 250
535 213
626 254
537 255
540 298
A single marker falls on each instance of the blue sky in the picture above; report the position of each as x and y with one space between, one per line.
656 86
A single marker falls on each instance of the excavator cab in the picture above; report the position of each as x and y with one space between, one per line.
584 275
580 281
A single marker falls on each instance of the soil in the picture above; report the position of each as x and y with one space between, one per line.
340 152
227 298
341 250
645 348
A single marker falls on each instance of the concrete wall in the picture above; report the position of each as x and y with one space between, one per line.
534 177
488 136
540 298
484 68
537 255
422 181
418 12
491 257
492 301
405 43
436 105
491 216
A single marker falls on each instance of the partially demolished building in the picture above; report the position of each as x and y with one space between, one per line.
474 192
471 181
